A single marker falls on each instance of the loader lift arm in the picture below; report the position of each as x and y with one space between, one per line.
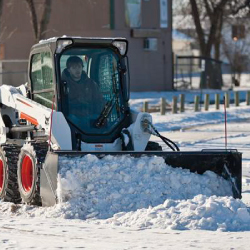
29 110
21 107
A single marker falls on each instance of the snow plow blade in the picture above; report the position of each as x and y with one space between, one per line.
227 164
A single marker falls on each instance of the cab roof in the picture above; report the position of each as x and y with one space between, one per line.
53 42
78 39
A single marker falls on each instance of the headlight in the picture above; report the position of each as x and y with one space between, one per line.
61 44
121 46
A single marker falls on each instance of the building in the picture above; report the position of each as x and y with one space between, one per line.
145 23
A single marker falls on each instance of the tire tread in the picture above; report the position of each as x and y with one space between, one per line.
11 192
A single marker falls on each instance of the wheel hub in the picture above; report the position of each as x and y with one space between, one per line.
27 173
1 175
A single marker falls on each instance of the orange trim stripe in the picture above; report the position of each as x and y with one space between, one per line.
24 102
29 118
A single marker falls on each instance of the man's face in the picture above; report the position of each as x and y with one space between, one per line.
75 71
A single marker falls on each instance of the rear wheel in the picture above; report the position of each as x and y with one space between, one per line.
29 164
8 173
3 174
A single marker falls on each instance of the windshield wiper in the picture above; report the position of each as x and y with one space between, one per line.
100 121
116 94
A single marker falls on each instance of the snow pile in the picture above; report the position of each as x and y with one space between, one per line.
201 212
99 188
140 192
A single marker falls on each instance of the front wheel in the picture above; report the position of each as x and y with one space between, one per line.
28 172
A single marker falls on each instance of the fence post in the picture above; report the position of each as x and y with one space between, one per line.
217 101
196 103
145 107
174 107
163 106
182 101
248 98
227 101
236 98
206 102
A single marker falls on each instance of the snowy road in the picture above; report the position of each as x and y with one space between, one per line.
53 233
67 234
25 227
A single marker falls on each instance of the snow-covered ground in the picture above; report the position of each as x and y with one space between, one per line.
127 203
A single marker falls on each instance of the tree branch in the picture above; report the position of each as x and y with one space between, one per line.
199 30
45 19
222 4
218 36
215 25
208 9
33 17
240 7
1 11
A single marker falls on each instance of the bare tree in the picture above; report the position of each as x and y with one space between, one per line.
214 12
208 18
39 25
236 55
237 7
236 50
1 10
4 35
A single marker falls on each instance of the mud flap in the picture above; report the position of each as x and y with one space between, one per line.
227 164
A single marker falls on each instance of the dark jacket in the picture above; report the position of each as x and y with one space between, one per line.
84 96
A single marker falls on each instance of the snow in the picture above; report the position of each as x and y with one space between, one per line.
141 192
201 212
177 35
100 188
120 202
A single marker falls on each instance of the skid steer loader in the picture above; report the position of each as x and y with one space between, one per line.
49 117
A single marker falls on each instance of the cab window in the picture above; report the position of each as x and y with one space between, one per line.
84 108
42 78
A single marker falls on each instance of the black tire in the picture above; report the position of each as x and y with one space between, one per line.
153 146
8 173
29 164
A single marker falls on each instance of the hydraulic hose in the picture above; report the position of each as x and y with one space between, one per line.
155 132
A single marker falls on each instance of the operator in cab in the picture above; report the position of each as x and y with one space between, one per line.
84 96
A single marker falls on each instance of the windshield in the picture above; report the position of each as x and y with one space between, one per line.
92 98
